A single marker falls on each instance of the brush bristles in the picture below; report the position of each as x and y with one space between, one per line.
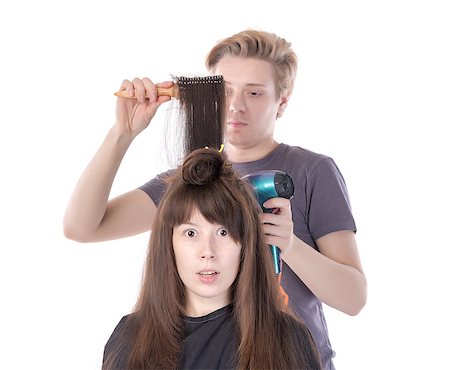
183 80
202 102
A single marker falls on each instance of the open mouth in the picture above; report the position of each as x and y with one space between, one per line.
207 273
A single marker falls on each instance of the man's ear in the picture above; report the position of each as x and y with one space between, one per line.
283 104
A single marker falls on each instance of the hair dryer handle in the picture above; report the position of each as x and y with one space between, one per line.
276 259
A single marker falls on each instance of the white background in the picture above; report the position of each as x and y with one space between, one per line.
373 92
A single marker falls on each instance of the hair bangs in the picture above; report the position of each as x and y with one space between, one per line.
216 204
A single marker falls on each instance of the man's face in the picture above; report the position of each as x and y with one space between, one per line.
252 103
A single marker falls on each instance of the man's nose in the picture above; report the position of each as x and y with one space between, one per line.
236 103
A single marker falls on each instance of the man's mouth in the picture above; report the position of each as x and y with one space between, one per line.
236 124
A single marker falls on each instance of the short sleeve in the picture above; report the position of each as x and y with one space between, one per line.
156 187
329 202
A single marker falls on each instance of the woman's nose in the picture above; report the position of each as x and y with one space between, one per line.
208 256
208 250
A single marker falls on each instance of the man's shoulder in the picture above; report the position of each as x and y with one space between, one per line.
301 153
299 157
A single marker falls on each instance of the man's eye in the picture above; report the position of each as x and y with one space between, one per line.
254 93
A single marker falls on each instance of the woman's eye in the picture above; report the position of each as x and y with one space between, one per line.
254 93
223 232
191 233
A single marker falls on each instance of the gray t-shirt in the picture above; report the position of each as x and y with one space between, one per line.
320 205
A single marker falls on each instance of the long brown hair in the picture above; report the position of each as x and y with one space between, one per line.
266 335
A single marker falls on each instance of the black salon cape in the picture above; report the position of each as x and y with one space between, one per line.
209 344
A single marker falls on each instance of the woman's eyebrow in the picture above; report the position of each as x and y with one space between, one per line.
188 224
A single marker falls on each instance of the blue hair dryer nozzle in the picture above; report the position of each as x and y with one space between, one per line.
267 185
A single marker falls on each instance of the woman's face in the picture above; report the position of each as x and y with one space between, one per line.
207 260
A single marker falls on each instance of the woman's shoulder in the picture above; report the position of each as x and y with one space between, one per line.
121 329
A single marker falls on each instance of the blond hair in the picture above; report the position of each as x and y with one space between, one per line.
262 45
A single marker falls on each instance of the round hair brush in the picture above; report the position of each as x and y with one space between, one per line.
180 82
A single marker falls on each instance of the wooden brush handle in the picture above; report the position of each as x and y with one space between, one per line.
162 91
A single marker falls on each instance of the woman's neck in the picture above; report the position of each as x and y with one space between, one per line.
203 307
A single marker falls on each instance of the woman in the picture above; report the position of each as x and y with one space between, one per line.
209 297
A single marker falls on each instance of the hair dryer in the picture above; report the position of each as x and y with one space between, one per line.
267 185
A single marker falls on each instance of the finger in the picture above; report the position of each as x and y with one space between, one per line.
150 89
271 218
275 240
165 84
164 98
128 87
279 241
273 230
277 231
139 89
276 218
277 203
